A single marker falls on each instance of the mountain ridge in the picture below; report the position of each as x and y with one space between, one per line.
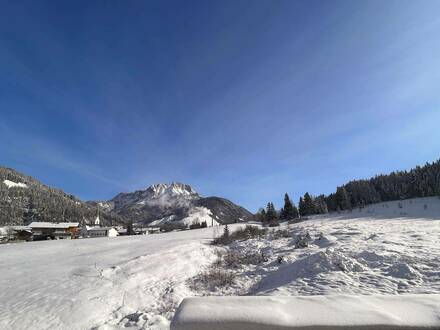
174 202
24 199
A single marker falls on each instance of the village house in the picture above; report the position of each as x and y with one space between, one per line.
153 230
15 233
121 230
54 230
22 233
140 230
94 232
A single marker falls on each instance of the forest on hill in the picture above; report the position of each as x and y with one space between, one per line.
421 181
24 199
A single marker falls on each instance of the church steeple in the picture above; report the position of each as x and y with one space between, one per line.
97 220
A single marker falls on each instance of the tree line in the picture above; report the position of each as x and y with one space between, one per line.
421 181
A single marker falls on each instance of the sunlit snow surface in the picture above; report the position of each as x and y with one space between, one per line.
139 281
197 214
330 312
12 184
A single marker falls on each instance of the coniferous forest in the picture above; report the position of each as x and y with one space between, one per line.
421 181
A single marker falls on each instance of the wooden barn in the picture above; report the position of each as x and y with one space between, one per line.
54 230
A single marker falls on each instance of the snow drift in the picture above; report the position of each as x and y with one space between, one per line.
313 312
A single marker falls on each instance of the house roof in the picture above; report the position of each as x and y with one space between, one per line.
16 228
100 228
54 225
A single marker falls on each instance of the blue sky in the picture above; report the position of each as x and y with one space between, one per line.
241 99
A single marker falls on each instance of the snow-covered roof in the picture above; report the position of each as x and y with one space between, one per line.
20 228
100 228
55 225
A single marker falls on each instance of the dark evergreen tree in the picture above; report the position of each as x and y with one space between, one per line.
261 215
302 207
309 204
289 211
342 199
271 214
226 233
320 205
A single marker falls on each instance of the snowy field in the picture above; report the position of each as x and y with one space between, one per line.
99 283
139 281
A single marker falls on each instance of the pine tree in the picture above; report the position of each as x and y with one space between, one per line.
309 204
342 199
320 205
271 215
438 185
289 211
226 233
295 212
302 207
262 216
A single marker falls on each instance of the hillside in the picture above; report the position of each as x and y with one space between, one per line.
139 281
426 207
24 199
175 204
385 248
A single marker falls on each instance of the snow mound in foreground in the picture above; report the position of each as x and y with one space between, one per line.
329 312
310 266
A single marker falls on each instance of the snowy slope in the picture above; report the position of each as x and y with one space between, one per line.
427 207
386 248
139 281
197 214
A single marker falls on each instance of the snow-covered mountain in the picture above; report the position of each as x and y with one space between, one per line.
24 199
175 203
162 194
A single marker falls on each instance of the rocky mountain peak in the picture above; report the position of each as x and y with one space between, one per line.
174 189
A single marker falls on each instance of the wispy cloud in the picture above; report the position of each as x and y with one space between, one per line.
29 149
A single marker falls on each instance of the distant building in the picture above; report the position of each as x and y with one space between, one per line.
139 230
94 232
4 234
54 230
121 230
15 233
22 233
153 230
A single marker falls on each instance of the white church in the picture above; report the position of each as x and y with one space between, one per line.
97 230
